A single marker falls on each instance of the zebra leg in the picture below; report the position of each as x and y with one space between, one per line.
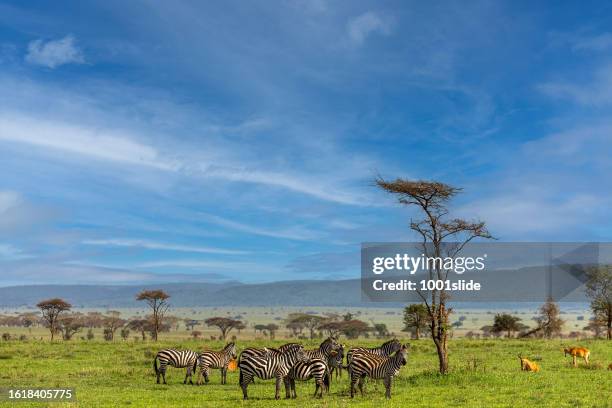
163 373
354 380
205 374
388 381
186 375
360 384
287 382
223 375
244 383
293 393
279 379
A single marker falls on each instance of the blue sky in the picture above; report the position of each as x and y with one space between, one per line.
146 142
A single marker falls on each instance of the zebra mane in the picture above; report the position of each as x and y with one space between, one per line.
392 341
229 345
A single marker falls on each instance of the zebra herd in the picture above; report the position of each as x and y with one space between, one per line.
291 362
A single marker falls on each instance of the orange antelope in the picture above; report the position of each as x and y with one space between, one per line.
527 365
577 352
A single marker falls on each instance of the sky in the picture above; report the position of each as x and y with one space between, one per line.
151 142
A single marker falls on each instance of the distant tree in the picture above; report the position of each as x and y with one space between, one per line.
332 328
310 322
125 333
191 323
354 328
240 326
69 325
442 237
549 322
506 323
415 319
196 334
296 328
224 324
28 319
90 334
172 322
596 325
51 310
599 289
158 302
112 321
140 325
381 330
348 317
259 328
272 328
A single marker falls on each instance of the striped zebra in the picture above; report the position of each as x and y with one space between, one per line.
273 364
260 352
335 360
384 350
216 359
366 364
304 371
178 359
324 351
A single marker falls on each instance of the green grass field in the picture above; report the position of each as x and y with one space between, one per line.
484 373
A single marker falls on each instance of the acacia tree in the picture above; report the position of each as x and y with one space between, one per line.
599 289
441 237
51 310
415 319
111 322
311 322
549 322
70 324
506 323
225 324
141 325
158 302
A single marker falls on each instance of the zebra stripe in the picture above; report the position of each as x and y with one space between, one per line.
384 350
261 352
216 359
274 364
324 351
334 362
366 364
304 371
175 358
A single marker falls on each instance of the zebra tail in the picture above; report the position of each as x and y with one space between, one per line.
240 380
326 379
155 365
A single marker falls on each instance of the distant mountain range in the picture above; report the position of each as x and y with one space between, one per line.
287 293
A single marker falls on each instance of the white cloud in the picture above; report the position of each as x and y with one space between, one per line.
361 27
124 242
295 233
596 92
54 53
10 253
8 200
81 140
601 42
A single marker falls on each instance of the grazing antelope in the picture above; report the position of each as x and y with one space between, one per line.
577 352
178 359
527 365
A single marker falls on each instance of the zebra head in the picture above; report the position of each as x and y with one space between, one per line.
402 354
391 346
328 345
231 350
295 354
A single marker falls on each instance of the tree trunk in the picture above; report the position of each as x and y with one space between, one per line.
442 356
417 333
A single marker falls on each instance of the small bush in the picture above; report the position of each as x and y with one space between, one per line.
6 336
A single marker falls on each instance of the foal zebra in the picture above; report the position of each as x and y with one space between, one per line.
376 367
273 364
216 359
304 371
175 358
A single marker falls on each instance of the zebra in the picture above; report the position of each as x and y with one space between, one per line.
334 362
384 350
324 351
178 359
304 371
273 364
216 359
260 352
377 367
